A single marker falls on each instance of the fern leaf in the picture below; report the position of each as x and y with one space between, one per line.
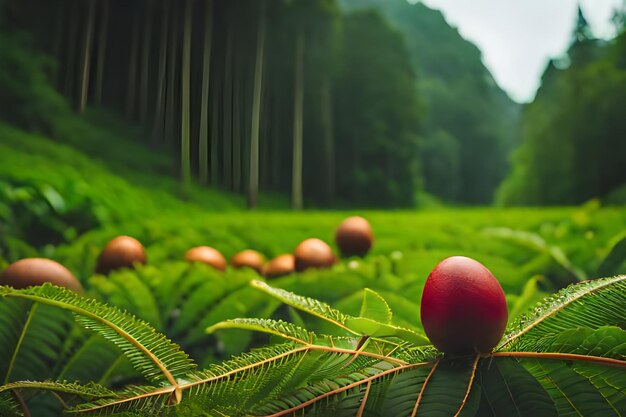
508 390
90 390
151 353
309 305
451 390
31 339
276 327
590 304
537 244
572 393
356 325
9 406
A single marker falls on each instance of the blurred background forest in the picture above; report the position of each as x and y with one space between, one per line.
352 103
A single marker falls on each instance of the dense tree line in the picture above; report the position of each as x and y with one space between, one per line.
573 146
253 95
469 125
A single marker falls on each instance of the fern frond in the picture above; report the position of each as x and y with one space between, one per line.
363 326
9 406
537 244
590 304
90 390
150 352
276 327
31 338
571 392
308 305
508 389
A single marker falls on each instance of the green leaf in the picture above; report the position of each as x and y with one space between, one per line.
537 244
150 352
9 406
90 390
508 390
450 390
615 256
356 325
529 296
374 307
572 393
607 342
308 305
373 328
279 328
590 304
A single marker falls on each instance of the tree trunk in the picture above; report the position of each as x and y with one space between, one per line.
159 111
237 120
276 135
70 64
86 64
58 42
184 87
145 63
102 42
215 118
329 142
228 110
131 89
253 185
296 178
171 98
203 136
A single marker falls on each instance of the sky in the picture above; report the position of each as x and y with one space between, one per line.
518 37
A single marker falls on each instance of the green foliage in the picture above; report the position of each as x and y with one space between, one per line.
377 122
27 98
591 305
468 124
324 375
559 136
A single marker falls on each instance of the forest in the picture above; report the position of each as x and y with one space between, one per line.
304 207
248 109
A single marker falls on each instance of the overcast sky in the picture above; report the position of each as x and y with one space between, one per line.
517 37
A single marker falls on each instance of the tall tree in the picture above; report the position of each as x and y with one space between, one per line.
86 55
253 185
102 45
131 88
159 112
203 134
144 79
329 140
184 88
171 94
70 48
298 121
227 131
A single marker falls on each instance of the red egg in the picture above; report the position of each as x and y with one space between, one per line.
248 259
313 253
36 271
463 307
354 236
206 255
120 252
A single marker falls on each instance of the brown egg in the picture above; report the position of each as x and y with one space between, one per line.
35 271
248 258
354 236
207 255
281 265
120 252
313 253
